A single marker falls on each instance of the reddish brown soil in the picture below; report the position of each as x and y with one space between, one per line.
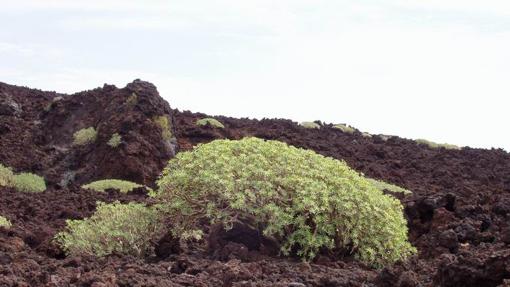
458 214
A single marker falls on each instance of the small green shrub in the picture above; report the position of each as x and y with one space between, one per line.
344 128
115 140
4 222
302 199
85 136
28 182
210 122
434 145
6 176
25 182
310 125
115 228
123 186
450 146
132 100
164 123
382 186
366 135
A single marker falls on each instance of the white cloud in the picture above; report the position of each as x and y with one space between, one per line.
11 48
500 7
430 69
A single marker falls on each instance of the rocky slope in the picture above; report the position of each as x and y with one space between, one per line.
458 213
37 133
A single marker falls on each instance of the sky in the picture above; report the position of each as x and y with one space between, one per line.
435 69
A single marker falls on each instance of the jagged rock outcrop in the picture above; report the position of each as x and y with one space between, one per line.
136 112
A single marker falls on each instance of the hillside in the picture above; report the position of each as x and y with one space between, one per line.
458 214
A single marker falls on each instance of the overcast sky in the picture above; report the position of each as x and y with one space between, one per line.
435 69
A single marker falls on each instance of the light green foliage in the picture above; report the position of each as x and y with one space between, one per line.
382 186
211 122
450 146
310 125
115 140
366 135
6 176
132 100
432 144
123 186
113 229
302 199
4 222
164 123
28 182
85 136
25 182
344 128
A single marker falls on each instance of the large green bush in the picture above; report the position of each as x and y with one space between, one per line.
302 199
382 185
85 136
113 229
123 186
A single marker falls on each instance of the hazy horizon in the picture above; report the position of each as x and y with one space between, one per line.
436 70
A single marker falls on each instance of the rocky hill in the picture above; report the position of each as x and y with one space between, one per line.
458 214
